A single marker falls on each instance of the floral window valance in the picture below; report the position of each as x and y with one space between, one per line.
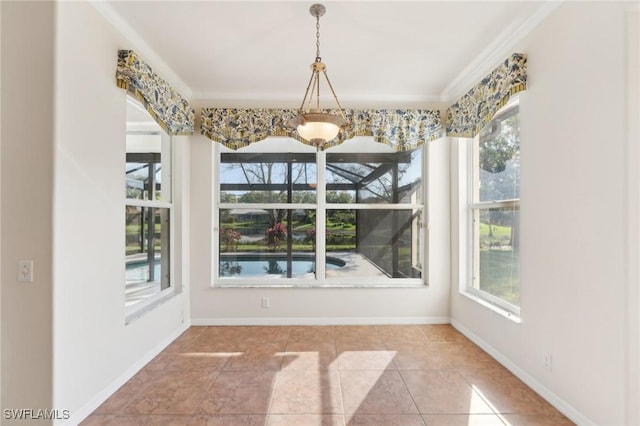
399 128
475 109
167 107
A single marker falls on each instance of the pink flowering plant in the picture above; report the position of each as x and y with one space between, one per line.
275 235
229 238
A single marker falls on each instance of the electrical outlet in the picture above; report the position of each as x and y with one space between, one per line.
266 302
547 362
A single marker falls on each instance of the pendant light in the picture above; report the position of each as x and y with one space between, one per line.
312 123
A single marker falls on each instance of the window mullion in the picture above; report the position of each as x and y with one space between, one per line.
515 203
216 206
321 215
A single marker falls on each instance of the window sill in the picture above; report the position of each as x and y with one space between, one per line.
140 309
298 285
495 308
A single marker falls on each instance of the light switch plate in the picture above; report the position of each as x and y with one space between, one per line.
25 271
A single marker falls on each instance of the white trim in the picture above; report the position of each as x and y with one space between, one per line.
276 282
136 311
77 416
294 98
265 206
321 207
136 202
493 303
214 209
495 52
326 206
321 218
472 208
495 204
563 406
319 321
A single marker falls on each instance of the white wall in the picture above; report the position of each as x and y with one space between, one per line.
0 215
64 341
633 217
318 305
574 136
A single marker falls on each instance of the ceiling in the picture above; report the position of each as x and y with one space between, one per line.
378 53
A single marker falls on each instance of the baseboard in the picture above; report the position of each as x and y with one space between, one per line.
553 399
83 412
320 321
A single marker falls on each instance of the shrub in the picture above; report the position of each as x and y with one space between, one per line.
275 234
229 238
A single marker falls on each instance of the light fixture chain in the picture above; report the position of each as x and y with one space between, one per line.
318 36
314 125
334 96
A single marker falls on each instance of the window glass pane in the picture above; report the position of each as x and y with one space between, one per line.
147 256
144 168
498 159
267 243
374 177
374 243
497 239
267 178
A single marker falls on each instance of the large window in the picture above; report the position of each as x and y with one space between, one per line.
297 216
148 208
494 210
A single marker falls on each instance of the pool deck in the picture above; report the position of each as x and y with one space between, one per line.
356 266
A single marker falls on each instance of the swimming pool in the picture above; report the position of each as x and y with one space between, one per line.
139 271
256 265
245 265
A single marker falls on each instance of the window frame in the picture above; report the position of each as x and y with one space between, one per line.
167 161
474 207
320 207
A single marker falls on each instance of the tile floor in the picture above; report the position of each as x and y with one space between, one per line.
316 375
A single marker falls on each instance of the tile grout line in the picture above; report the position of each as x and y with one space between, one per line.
415 404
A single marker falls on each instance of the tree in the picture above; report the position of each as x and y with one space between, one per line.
275 175
499 162
339 197
228 197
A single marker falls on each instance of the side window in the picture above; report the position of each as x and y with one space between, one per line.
148 208
494 210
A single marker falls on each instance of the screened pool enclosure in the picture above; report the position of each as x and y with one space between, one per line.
320 216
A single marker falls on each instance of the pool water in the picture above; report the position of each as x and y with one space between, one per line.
254 265
139 271
244 266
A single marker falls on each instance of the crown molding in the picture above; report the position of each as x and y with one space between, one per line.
141 47
495 52
293 100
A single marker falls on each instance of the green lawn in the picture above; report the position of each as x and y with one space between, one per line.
500 274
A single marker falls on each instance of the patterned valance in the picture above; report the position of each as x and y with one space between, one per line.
475 109
399 128
170 110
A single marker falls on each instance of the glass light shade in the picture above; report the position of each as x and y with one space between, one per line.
318 130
